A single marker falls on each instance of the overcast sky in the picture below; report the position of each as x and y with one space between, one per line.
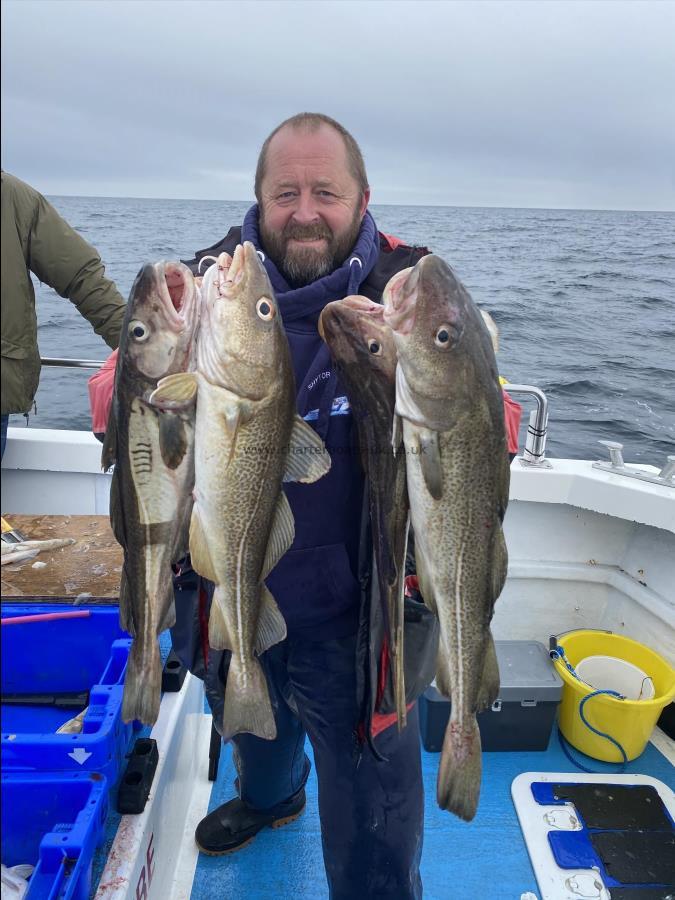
549 104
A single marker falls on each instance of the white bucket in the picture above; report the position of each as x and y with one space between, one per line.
612 674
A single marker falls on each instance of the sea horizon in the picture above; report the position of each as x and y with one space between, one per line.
252 200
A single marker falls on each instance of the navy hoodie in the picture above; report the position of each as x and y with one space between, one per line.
315 583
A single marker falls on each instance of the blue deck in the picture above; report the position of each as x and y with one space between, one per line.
484 858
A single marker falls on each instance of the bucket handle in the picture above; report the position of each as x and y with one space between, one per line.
553 639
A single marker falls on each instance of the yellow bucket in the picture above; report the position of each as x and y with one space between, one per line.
630 722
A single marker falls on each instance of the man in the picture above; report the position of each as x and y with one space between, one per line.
319 243
36 239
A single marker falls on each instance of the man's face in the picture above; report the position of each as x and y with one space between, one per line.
311 205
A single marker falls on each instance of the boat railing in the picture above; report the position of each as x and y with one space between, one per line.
534 453
57 362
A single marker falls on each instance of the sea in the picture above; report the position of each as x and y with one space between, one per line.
584 302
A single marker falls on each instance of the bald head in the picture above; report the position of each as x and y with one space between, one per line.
311 123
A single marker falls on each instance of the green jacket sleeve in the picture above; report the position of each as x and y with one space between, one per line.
66 262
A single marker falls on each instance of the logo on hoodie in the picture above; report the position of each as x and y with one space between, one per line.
340 407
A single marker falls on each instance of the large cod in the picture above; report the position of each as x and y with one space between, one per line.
449 404
248 439
363 349
153 453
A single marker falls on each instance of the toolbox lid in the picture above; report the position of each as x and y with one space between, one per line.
526 672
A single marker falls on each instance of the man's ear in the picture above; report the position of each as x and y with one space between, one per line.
365 199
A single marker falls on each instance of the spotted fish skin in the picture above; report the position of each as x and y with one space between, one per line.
153 455
362 346
449 403
248 441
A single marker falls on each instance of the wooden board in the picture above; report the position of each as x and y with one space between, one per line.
92 565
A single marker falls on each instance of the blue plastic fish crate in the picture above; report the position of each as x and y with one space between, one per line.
63 656
54 821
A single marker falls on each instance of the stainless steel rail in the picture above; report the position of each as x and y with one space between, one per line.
534 453
71 363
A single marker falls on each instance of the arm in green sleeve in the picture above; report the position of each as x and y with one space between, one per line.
61 258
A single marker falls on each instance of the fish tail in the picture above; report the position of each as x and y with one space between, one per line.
459 772
247 700
143 683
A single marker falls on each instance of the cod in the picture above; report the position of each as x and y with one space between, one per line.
248 441
152 451
363 349
450 409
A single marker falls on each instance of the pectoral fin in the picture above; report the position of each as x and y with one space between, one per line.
308 460
430 462
173 439
177 391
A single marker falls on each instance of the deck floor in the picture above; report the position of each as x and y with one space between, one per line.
486 858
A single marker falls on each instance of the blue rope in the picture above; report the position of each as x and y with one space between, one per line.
559 653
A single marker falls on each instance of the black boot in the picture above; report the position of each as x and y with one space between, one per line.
234 824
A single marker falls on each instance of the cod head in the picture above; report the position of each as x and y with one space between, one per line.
161 319
360 341
242 343
444 343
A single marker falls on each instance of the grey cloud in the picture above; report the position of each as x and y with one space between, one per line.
545 104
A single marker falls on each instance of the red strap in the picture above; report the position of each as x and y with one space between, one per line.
412 583
380 721
101 385
393 241
512 415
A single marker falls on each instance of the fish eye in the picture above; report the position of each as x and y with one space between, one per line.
443 336
265 309
139 331
375 347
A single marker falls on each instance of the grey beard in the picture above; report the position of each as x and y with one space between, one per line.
305 265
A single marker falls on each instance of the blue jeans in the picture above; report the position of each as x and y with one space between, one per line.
371 810
3 434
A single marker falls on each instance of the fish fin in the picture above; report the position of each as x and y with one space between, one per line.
173 439
168 620
117 517
200 554
271 624
493 331
459 771
143 683
430 462
396 434
500 565
126 605
308 458
281 536
234 413
175 391
247 701
488 690
109 450
398 673
443 680
219 633
425 584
